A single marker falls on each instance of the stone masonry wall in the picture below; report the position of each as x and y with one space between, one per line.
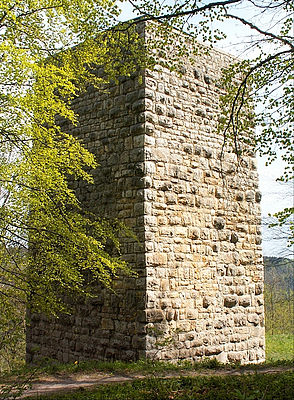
202 240
200 287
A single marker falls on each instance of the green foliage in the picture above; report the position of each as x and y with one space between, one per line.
279 308
279 271
162 340
243 395
12 326
49 246
40 74
14 389
279 346
279 295
285 218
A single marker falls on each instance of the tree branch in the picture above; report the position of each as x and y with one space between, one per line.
244 83
36 10
273 4
265 33
193 11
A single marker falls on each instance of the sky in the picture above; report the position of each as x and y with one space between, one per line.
275 196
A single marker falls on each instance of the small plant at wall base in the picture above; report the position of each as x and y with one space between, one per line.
162 339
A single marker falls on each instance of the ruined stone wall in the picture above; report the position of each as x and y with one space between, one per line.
202 240
200 284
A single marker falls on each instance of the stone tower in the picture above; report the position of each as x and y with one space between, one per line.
198 254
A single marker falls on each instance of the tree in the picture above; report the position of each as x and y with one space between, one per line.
265 78
49 245
276 232
279 280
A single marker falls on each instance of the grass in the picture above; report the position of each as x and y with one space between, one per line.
279 347
142 367
147 367
244 387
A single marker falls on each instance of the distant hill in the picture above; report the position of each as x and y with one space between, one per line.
279 272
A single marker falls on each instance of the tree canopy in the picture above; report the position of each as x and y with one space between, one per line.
47 51
50 247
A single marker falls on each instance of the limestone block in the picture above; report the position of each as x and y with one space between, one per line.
230 301
245 301
154 315
107 323
254 319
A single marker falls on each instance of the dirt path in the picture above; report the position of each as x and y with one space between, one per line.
67 383
54 384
